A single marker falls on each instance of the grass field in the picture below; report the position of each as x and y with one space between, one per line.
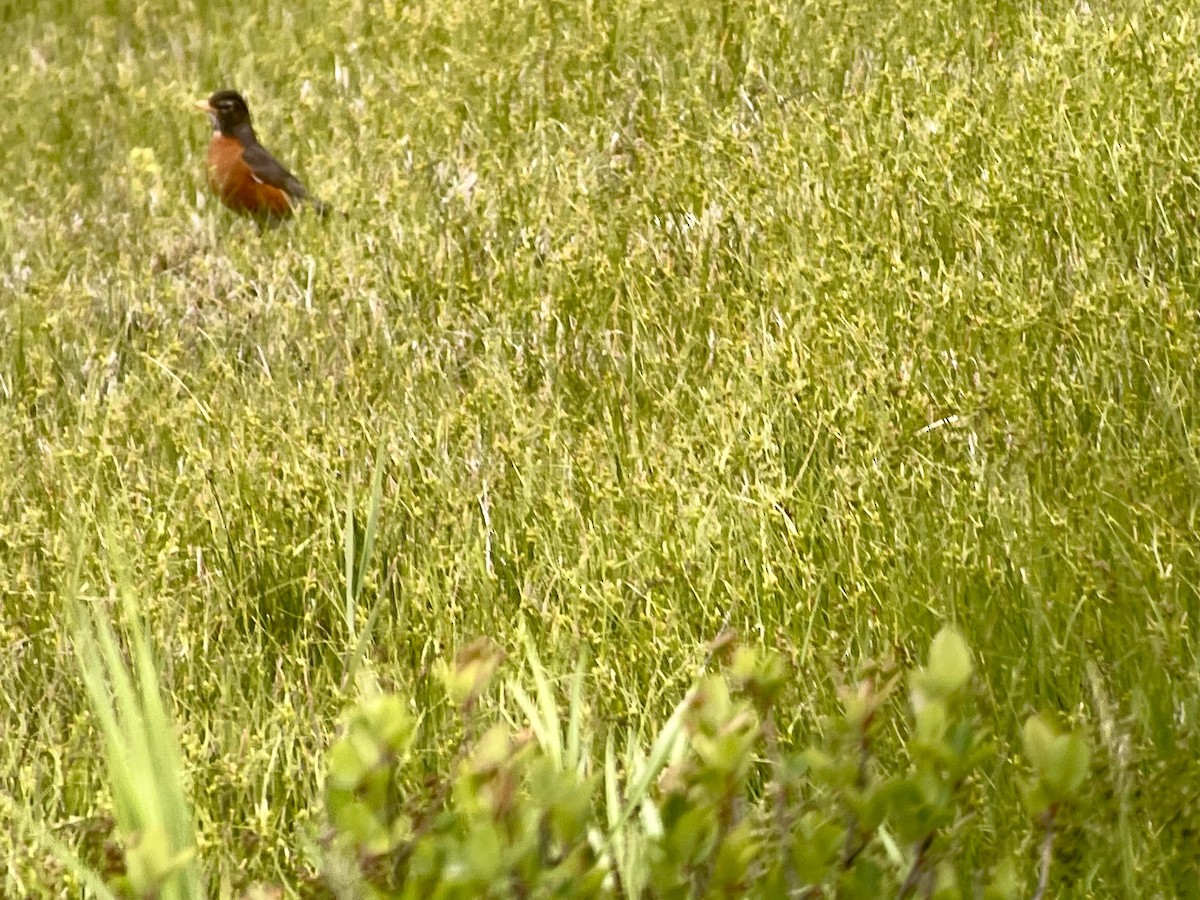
832 322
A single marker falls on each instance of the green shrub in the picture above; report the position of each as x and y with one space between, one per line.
718 807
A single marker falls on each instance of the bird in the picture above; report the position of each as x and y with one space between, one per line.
241 172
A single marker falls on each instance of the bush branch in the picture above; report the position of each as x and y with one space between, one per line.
1047 854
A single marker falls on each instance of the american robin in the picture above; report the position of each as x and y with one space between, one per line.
241 172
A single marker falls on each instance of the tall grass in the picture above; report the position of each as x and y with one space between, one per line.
144 771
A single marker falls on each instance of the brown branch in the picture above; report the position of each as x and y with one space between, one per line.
427 817
855 842
1047 854
918 867
782 823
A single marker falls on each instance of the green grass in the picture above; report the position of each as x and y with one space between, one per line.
825 321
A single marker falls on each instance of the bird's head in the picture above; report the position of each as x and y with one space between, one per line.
227 110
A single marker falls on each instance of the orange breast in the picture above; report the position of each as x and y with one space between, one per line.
231 179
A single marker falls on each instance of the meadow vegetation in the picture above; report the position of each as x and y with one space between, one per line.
827 323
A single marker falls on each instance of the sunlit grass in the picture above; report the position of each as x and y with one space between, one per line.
829 323
153 816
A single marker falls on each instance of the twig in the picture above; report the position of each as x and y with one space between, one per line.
1047 854
855 842
782 825
428 816
918 867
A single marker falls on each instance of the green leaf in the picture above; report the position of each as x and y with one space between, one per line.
931 723
473 667
388 721
1066 764
1035 797
346 768
863 881
711 706
735 854
365 745
353 818
945 885
491 751
483 853
857 706
813 759
743 664
949 663
816 847
693 837
1036 737
1005 885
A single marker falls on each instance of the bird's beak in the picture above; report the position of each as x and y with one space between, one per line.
205 107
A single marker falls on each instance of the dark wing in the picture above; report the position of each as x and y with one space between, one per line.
268 170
